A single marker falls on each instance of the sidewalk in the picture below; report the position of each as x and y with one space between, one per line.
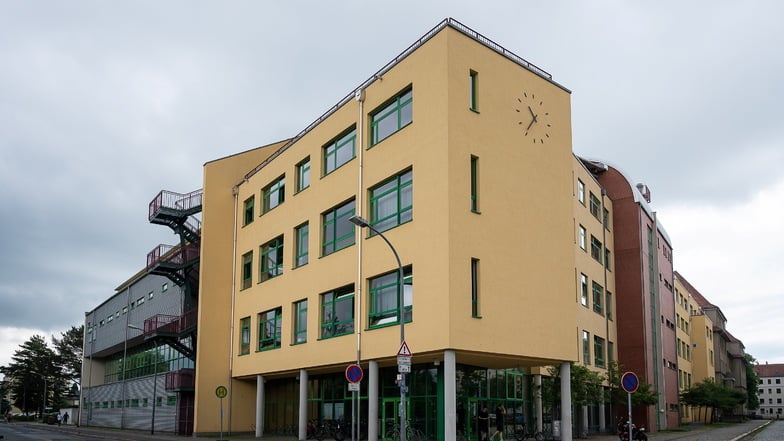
732 432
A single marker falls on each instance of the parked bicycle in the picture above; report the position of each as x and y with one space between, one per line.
329 429
522 433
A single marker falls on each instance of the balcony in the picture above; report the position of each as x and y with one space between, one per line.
175 210
181 380
172 261
174 330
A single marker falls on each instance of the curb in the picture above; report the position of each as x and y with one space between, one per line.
754 430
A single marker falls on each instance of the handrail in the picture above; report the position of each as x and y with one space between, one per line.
175 201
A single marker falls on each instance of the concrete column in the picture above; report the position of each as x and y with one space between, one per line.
450 395
303 405
584 422
538 401
602 416
566 402
373 401
259 405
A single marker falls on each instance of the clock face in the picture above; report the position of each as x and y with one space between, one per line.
533 118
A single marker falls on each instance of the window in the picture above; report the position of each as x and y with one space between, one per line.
303 174
581 192
586 347
171 400
607 259
269 329
150 295
139 301
248 210
247 269
384 306
596 206
391 117
271 259
301 321
274 194
245 336
474 184
472 83
596 249
606 218
598 351
301 257
598 298
125 310
390 202
608 305
581 237
337 312
164 287
610 351
109 318
475 288
338 232
339 151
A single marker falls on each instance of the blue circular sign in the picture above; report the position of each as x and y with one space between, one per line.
354 373
630 382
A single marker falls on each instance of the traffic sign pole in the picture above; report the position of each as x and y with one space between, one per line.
630 383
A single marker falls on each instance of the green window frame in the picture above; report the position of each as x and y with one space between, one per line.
581 237
340 151
337 312
273 194
586 347
474 184
584 290
303 174
247 270
302 234
171 400
300 321
271 259
596 206
598 298
384 295
581 191
475 288
473 83
245 336
391 202
269 329
596 249
248 210
608 305
598 351
392 117
337 231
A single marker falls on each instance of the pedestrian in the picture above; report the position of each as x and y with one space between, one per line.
500 413
59 419
65 418
483 422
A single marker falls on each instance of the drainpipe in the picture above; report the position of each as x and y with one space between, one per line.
607 305
235 192
359 95
657 330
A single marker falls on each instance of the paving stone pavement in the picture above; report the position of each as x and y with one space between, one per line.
733 432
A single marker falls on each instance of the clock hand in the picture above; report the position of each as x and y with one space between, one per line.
530 124
533 115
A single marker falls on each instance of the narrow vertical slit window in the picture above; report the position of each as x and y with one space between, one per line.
248 210
301 321
475 288
247 270
245 336
474 184
303 174
473 78
302 234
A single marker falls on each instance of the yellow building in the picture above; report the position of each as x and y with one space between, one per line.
459 152
595 283
695 345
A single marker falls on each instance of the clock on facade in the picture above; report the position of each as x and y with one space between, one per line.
533 117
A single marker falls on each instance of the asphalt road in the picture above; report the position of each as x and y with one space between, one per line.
773 432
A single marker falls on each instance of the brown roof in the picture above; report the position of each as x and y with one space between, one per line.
699 298
769 370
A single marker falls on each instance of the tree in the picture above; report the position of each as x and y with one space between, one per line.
69 352
644 396
34 375
752 382
586 386
711 394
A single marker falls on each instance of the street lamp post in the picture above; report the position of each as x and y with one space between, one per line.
363 223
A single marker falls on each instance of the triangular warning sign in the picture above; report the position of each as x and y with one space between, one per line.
404 351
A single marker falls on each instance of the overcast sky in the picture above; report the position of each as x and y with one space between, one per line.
103 104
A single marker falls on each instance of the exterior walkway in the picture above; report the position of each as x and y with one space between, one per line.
731 432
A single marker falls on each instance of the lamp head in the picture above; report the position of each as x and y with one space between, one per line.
359 221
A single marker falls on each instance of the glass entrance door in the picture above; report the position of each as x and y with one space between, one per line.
390 418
